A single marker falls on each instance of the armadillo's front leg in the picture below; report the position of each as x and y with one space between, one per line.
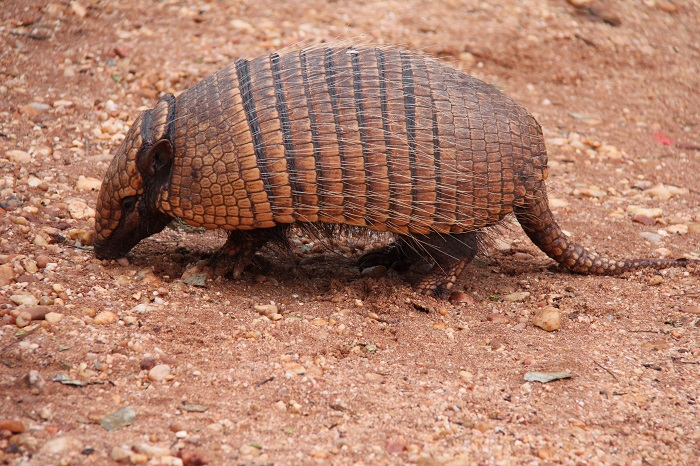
237 253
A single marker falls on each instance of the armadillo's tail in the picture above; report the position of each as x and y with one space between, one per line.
538 222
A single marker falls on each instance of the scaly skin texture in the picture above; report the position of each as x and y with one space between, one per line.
368 137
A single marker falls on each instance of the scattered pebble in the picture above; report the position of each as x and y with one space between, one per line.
591 191
79 210
241 25
18 156
77 8
149 450
23 319
580 3
42 261
656 345
45 413
651 237
61 444
87 184
610 152
548 318
690 309
7 274
82 235
498 318
38 312
266 309
105 318
130 320
24 299
461 297
249 450
148 363
192 457
643 219
138 458
496 344
556 203
638 210
281 406
655 280
177 426
679 229
120 455
35 382
516 297
294 407
466 376
159 373
12 425
666 6
53 317
374 377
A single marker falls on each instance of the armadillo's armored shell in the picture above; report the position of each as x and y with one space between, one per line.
371 137
361 136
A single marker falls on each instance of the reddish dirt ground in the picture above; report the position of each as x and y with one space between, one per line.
348 369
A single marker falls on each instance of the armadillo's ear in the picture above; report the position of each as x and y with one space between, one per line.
158 158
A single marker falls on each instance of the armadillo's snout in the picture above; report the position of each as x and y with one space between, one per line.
110 249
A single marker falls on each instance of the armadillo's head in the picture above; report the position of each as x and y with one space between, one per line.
126 209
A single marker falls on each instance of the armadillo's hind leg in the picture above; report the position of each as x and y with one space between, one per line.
239 250
451 254
396 255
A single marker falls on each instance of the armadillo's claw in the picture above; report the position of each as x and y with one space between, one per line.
236 254
224 264
441 278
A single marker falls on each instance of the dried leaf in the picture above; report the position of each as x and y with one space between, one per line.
545 377
65 380
192 408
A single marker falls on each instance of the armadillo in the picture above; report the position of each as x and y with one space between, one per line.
361 136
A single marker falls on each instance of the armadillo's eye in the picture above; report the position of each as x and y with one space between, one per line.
128 203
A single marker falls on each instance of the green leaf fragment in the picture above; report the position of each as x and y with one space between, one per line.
199 280
118 419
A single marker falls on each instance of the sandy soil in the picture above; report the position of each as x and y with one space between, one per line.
345 369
